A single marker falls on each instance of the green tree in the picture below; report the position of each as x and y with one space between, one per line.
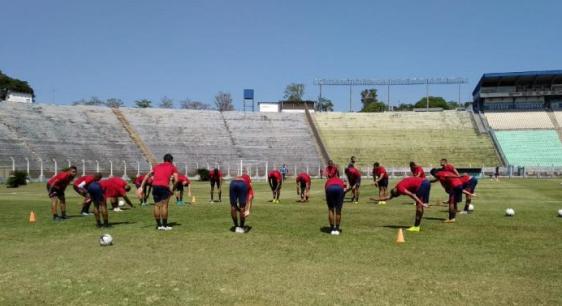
143 103
294 92
10 84
433 102
166 102
369 99
325 105
114 103
453 104
93 101
404 107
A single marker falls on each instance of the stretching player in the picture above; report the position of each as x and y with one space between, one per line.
354 179
215 176
275 180
115 188
183 181
161 192
147 188
96 193
238 198
81 187
303 186
445 165
55 188
331 170
454 187
334 199
469 184
417 170
416 188
380 179
250 199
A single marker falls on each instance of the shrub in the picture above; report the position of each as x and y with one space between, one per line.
16 179
203 174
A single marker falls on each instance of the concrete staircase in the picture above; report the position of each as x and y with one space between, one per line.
555 123
135 137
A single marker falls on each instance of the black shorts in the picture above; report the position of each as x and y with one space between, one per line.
96 193
383 182
55 192
334 197
355 182
178 187
160 193
455 194
303 186
275 184
216 182
238 193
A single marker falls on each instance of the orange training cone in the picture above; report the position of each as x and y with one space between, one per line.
193 200
32 217
400 236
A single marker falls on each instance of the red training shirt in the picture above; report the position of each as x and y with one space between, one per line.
412 184
334 181
275 174
162 173
418 171
86 179
331 171
303 177
113 187
380 171
61 180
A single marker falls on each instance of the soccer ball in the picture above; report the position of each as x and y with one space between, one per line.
470 207
560 213
121 203
510 212
106 240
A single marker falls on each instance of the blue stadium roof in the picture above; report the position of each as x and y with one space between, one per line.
498 76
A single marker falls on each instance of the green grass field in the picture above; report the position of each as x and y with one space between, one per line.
485 258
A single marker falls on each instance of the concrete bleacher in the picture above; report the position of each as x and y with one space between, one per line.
65 133
558 116
531 147
396 138
519 120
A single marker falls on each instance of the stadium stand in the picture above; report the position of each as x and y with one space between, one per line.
531 147
64 133
396 138
519 120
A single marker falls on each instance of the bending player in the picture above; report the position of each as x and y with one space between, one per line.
96 193
215 176
303 186
454 187
183 181
469 185
56 187
250 199
147 188
331 170
161 192
380 179
446 166
275 180
335 193
115 188
416 188
238 198
80 185
354 179
417 170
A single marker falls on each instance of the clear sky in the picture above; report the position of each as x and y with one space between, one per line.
68 50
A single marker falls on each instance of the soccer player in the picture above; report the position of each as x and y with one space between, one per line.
56 187
284 171
115 188
147 188
354 179
215 176
331 170
352 161
334 188
417 170
250 199
303 186
183 181
238 198
416 188
454 187
275 180
469 184
380 179
80 185
96 193
445 165
161 192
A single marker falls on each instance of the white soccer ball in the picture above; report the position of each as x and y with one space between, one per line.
470 207
560 213
121 203
106 240
510 212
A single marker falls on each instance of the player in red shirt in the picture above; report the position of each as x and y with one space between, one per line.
335 192
454 187
250 198
469 184
55 188
80 185
380 179
448 167
354 179
147 188
275 180
331 170
416 188
303 186
215 176
115 188
417 170
183 181
161 192
239 194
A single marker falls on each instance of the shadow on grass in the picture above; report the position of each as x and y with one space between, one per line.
247 229
396 226
434 218
328 230
121 223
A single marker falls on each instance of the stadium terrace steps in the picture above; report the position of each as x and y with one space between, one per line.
135 136
64 133
396 138
519 120
531 147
